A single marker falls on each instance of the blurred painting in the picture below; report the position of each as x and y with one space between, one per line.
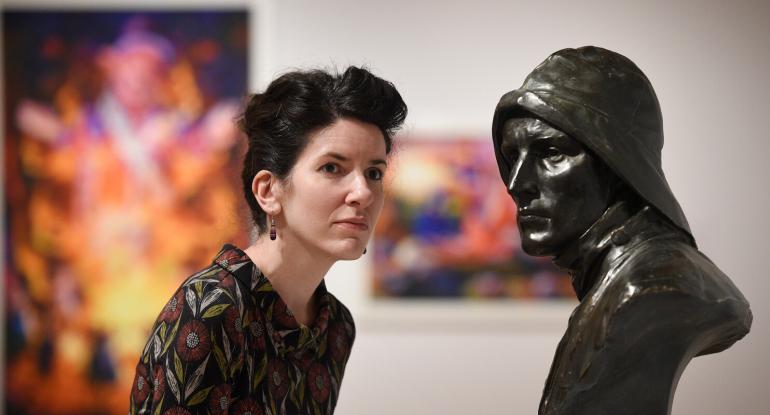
121 158
448 229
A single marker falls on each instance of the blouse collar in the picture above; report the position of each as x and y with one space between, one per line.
286 333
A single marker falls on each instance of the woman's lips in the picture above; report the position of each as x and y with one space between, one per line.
353 225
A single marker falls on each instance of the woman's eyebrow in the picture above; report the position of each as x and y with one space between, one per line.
379 161
340 157
336 156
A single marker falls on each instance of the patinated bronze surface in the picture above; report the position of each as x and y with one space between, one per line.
579 148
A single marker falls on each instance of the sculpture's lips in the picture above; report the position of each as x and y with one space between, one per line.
528 217
530 213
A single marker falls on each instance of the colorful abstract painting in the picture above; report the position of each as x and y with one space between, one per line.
448 229
121 161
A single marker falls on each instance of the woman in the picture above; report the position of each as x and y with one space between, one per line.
257 332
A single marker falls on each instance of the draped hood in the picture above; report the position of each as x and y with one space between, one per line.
603 100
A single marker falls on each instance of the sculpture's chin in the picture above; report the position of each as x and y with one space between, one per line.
534 248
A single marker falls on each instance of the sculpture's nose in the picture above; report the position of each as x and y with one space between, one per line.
521 181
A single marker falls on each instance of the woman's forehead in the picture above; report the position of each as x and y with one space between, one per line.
348 138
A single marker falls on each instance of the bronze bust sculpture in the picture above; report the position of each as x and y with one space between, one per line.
579 149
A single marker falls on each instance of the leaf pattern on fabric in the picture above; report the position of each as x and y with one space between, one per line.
196 378
226 343
190 297
172 383
211 297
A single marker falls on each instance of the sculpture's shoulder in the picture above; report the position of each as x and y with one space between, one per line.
662 275
656 302
665 263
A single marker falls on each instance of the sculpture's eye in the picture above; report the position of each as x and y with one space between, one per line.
554 155
510 154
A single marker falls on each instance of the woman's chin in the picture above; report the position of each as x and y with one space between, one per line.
350 255
351 252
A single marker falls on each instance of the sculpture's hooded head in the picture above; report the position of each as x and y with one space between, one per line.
604 101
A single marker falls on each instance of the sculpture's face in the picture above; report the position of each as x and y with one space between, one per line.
558 187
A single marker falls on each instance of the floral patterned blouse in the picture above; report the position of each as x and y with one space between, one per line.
227 343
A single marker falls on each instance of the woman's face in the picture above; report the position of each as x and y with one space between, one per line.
333 194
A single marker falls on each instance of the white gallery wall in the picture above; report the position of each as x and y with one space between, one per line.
710 64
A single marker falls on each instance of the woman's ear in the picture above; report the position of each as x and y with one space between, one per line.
267 189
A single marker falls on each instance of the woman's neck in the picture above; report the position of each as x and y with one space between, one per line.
293 271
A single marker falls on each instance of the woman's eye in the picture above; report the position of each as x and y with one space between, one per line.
330 168
374 174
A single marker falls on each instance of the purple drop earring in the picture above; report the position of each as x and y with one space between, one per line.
272 229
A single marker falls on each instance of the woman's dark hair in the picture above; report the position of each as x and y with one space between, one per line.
279 121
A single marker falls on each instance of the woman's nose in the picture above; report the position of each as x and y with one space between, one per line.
360 193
